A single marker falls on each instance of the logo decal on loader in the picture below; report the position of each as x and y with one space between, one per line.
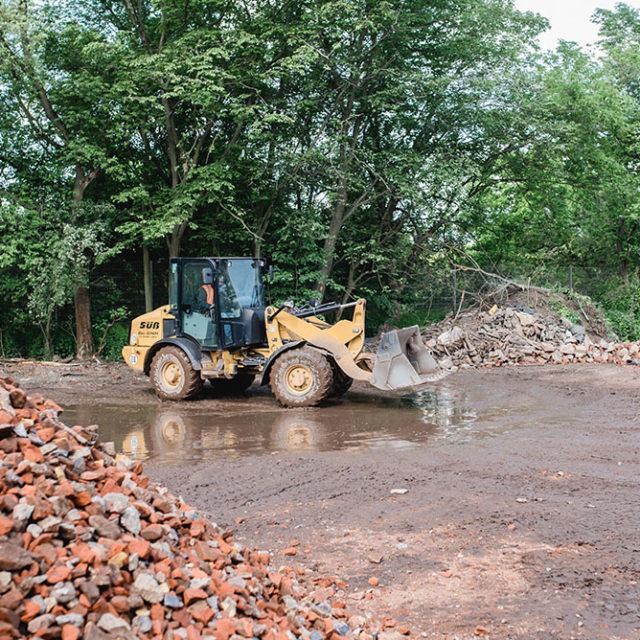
149 325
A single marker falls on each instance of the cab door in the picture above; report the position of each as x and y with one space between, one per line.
230 310
198 315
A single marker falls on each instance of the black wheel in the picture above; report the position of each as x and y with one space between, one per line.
301 378
341 382
232 386
172 375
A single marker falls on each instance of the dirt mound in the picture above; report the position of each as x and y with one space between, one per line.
89 547
526 326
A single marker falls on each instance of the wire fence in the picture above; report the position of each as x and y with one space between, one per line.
468 286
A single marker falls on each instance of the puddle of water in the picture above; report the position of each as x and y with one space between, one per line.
194 431
206 430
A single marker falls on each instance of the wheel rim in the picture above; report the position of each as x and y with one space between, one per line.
171 374
172 431
299 379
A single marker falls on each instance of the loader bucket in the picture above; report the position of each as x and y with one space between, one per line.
402 361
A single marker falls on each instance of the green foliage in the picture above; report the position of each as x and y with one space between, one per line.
115 336
567 313
295 252
621 304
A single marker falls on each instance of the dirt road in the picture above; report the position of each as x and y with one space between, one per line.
529 529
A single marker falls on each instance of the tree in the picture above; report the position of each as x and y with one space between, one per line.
185 103
570 194
53 87
403 130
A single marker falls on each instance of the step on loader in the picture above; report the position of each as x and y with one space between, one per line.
217 329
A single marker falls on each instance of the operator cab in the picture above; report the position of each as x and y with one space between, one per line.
219 302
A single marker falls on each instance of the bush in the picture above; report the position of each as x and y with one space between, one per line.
116 338
621 307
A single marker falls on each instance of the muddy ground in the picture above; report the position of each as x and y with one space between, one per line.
529 530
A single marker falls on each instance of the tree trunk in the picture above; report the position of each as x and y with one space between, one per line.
148 281
46 334
329 249
84 338
174 242
85 349
351 129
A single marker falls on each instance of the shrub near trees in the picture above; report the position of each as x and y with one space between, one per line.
362 146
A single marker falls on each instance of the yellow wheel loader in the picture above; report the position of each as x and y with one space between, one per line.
216 328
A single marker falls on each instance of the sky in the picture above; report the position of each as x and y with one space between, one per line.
570 19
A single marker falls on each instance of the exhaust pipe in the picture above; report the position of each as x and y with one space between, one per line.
402 361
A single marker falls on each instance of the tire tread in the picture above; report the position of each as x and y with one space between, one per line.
317 363
193 381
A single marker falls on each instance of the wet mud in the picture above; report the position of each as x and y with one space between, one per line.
497 503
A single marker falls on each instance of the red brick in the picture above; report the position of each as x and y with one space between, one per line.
193 633
191 595
152 532
198 527
32 453
69 632
50 404
31 610
57 574
46 434
224 628
7 418
141 547
6 525
93 474
82 498
84 552
224 546
201 612
156 611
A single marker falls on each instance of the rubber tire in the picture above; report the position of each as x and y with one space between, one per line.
232 386
341 382
173 361
170 432
301 378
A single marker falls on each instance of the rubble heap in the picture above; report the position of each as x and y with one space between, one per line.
516 334
89 548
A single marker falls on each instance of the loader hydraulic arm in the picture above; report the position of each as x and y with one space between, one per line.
284 324
324 308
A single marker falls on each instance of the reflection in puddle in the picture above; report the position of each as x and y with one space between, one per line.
177 433
443 408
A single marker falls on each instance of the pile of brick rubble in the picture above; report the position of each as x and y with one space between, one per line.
514 334
89 548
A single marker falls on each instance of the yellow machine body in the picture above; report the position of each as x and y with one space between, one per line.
302 356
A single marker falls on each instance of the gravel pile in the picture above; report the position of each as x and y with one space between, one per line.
89 548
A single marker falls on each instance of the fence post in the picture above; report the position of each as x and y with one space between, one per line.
455 290
570 278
